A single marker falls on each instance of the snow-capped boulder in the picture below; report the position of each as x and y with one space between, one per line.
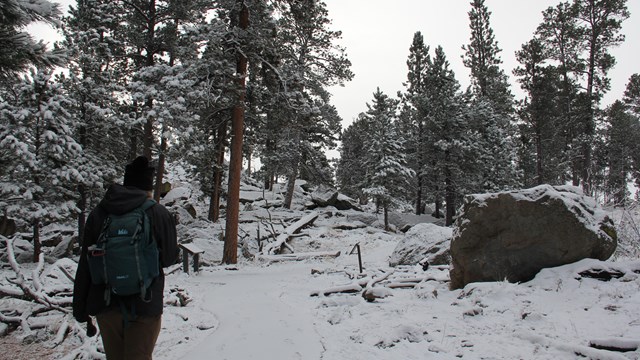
325 196
422 241
513 235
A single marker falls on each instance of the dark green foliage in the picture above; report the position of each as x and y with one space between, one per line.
18 50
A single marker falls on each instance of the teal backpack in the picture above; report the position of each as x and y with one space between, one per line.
125 257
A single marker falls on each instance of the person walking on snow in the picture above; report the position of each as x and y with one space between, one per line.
129 325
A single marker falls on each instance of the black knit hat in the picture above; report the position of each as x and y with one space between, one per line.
139 174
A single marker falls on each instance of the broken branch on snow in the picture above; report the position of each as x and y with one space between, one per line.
281 241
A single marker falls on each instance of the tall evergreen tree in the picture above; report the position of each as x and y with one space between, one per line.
387 174
448 135
310 61
482 57
541 122
492 105
37 148
351 171
93 85
559 34
600 22
621 143
632 101
412 120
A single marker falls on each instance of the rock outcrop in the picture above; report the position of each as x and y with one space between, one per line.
513 235
325 196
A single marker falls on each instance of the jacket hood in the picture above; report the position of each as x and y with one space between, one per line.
122 199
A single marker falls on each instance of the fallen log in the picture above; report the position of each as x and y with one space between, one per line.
615 344
299 256
276 246
345 289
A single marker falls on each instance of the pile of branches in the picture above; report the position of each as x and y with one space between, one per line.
35 304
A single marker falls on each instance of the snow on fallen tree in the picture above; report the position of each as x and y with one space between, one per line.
299 256
30 301
276 246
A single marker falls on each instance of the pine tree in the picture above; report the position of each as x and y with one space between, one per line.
632 94
310 62
447 133
559 35
37 148
387 174
18 50
412 119
93 84
351 170
482 57
632 102
621 143
492 105
230 255
600 22
541 122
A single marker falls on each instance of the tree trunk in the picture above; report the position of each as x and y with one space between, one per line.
37 246
449 197
230 252
160 168
249 160
291 185
540 177
293 173
82 207
385 211
419 196
133 139
218 171
147 140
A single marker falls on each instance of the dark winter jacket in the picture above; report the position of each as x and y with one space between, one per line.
89 299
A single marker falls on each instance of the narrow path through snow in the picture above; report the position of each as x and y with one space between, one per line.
263 313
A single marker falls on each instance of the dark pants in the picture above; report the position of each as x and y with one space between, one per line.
133 342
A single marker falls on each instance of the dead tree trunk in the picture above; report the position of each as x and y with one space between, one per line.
276 246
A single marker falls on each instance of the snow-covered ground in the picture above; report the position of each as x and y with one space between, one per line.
261 309
265 311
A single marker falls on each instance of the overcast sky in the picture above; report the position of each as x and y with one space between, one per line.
378 33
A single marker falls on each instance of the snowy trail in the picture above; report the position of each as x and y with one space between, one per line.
262 313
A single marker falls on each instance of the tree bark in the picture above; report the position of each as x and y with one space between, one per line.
291 185
160 168
82 207
218 171
37 246
230 252
419 196
449 195
385 211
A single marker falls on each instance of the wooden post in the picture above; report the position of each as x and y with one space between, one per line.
357 248
185 260
196 262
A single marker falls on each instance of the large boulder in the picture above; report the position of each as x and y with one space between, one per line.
423 241
513 235
325 196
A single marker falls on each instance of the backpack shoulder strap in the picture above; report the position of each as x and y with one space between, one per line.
148 204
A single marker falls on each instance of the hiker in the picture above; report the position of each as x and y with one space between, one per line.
129 324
